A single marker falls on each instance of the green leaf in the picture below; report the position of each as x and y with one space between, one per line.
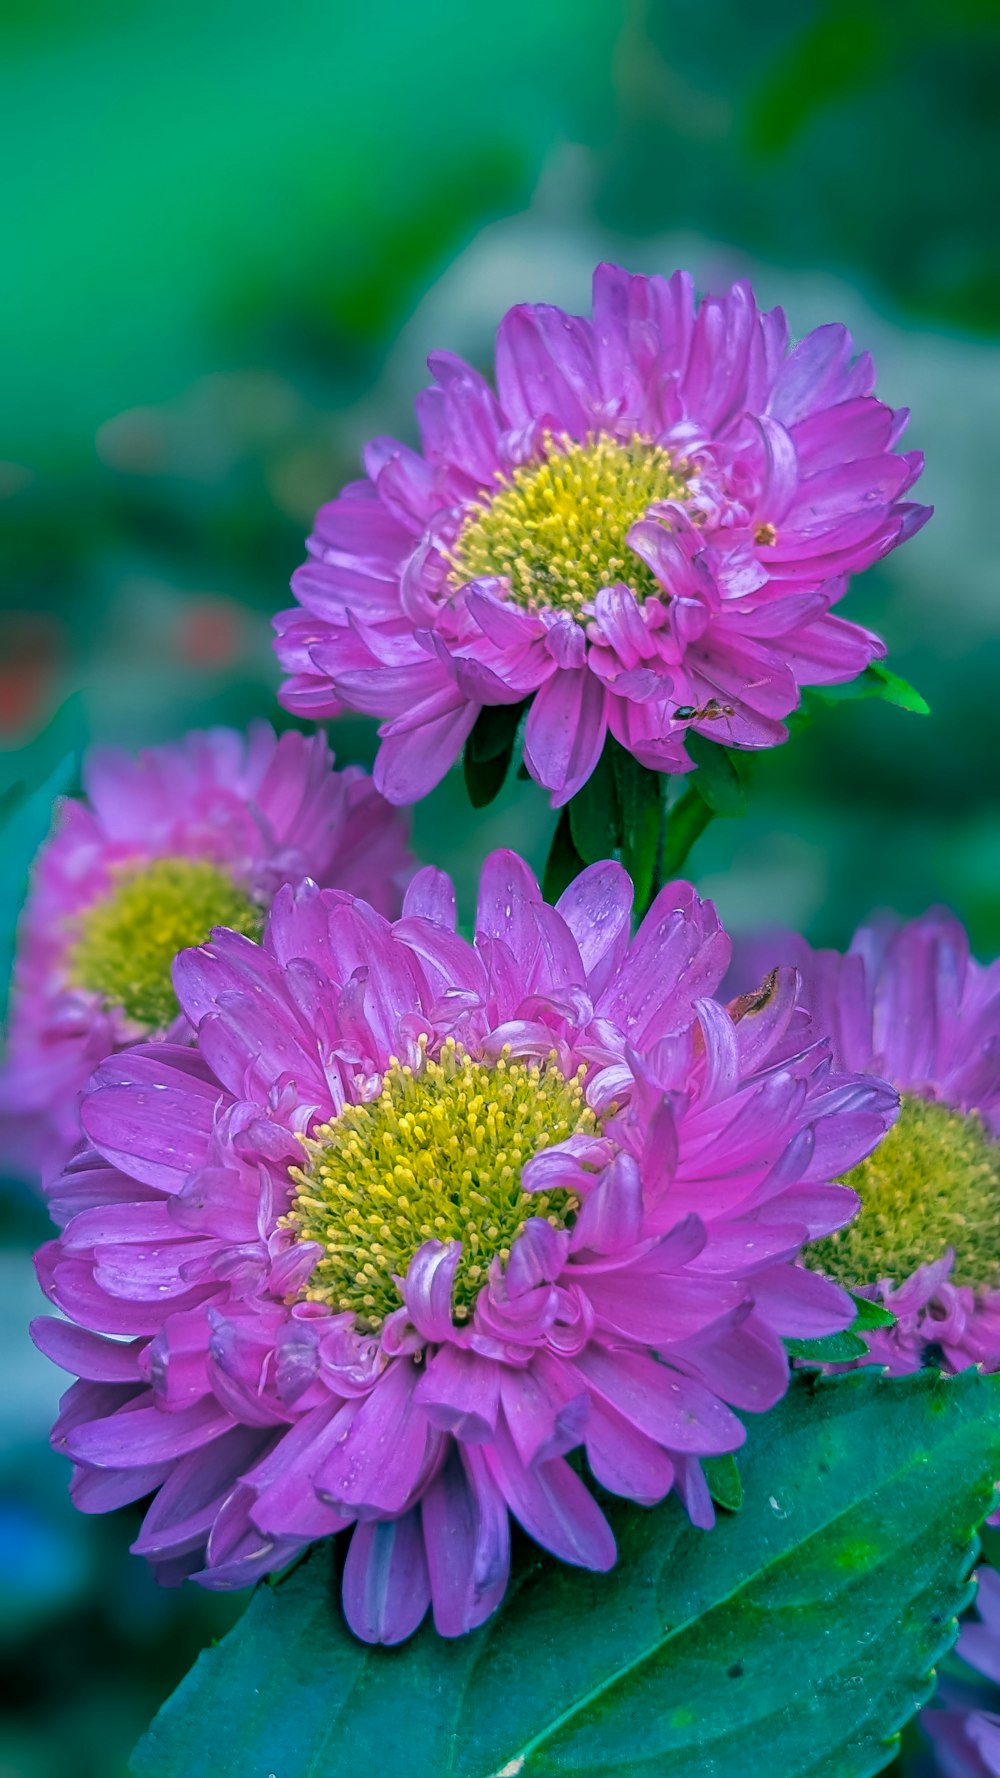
640 798
898 691
563 862
870 1315
838 1348
795 1638
495 731
489 750
28 767
723 1477
686 822
594 812
877 681
25 820
722 775
484 779
989 1537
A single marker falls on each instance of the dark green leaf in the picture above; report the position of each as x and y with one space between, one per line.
640 798
563 862
686 822
989 1537
489 750
484 779
595 816
723 1477
722 775
494 730
836 1348
796 1638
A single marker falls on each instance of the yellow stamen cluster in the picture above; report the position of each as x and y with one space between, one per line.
437 1156
126 942
556 530
932 1183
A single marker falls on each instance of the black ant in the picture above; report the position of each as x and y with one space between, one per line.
713 711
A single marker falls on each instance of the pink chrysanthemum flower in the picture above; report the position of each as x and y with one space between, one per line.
908 1002
418 1217
185 837
642 530
964 1732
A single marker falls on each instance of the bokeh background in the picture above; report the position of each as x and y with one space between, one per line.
231 235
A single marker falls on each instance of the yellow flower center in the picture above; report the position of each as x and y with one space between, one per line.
556 530
932 1183
126 942
437 1156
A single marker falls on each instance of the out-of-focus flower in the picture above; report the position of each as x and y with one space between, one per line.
965 1733
417 1217
908 1002
642 530
196 834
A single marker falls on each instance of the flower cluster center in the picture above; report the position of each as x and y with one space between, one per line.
437 1156
556 530
126 942
932 1183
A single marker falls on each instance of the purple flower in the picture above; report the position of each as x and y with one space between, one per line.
642 530
908 1002
965 1736
418 1217
196 834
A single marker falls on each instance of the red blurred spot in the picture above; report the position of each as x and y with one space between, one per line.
29 662
210 632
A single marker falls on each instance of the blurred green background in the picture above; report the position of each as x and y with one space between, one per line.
231 235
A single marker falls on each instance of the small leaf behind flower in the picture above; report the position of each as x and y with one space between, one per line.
896 690
723 1477
687 820
563 862
722 774
839 1348
877 681
870 1314
489 750
796 1638
595 812
640 799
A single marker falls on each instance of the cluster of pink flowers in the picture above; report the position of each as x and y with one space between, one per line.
367 1227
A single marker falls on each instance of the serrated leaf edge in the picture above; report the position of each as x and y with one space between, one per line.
817 1381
